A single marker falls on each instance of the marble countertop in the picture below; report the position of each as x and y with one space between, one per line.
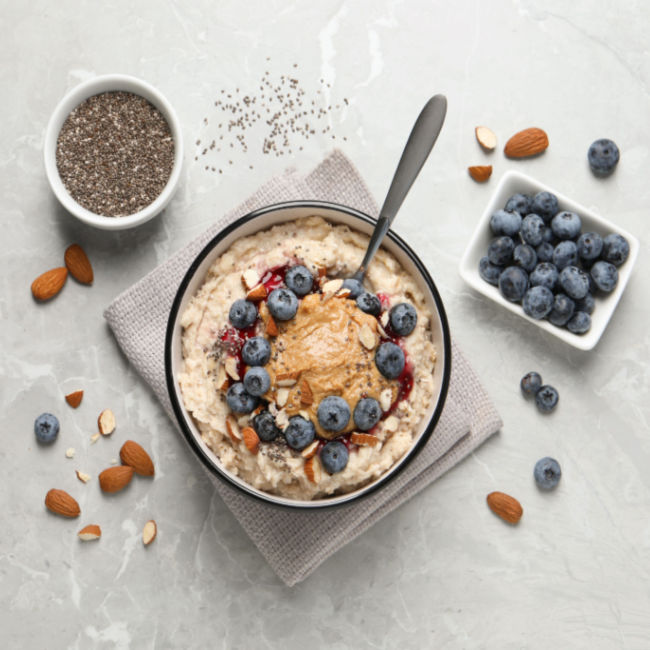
442 571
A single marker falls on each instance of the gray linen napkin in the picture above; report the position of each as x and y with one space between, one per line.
294 542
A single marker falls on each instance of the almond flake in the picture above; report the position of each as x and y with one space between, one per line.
313 469
383 319
149 532
391 423
386 399
233 429
330 287
94 438
282 419
381 331
222 380
82 476
304 414
342 293
231 368
69 452
364 439
273 409
286 379
306 395
243 420
486 137
250 278
310 450
282 396
367 337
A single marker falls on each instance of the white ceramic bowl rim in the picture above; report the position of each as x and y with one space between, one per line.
77 95
171 381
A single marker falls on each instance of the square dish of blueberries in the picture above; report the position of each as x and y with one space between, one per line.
549 259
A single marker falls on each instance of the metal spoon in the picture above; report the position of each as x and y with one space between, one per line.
423 136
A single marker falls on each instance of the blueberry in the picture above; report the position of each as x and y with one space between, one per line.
546 398
544 274
525 256
574 281
265 427
239 400
604 275
547 473
518 203
547 235
615 249
500 250
334 457
580 323
590 245
299 279
354 286
403 318
333 413
369 303
505 223
256 351
46 428
257 381
532 229
513 283
367 413
537 302
545 205
282 304
603 156
565 254
563 308
545 252
488 271
242 314
299 432
566 225
586 304
389 360
530 383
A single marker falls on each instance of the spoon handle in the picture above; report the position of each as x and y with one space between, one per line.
423 136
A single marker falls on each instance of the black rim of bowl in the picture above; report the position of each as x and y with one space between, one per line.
171 384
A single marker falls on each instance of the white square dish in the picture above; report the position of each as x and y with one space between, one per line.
511 183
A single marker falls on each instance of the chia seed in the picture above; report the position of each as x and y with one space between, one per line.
115 153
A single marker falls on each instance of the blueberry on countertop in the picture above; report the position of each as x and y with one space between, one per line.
605 276
530 383
369 303
546 398
545 204
403 318
256 351
239 399
299 432
333 413
518 203
579 323
525 256
589 245
513 283
389 359
488 271
565 254
367 413
500 250
574 281
265 427
46 428
537 302
532 229
283 304
563 309
547 473
603 156
615 249
334 457
354 287
544 274
299 279
257 381
566 225
242 313
506 223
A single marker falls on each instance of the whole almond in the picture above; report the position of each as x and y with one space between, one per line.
61 503
135 456
78 264
48 284
149 532
528 142
505 506
480 173
106 422
486 137
74 399
114 479
90 533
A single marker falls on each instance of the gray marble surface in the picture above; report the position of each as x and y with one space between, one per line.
442 571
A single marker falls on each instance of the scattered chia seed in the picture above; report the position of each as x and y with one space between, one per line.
115 153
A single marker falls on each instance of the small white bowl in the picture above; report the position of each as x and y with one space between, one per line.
102 84
511 183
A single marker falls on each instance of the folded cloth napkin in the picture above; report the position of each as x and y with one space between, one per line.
295 542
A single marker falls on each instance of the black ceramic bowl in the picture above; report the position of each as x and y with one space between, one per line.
261 220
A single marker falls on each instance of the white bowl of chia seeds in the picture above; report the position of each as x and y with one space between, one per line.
113 152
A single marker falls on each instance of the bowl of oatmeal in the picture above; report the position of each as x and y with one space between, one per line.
291 384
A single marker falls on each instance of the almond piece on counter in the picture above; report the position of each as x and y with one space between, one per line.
231 368
94 438
528 142
313 469
306 395
257 293
78 264
114 479
90 533
480 173
233 429
82 476
48 284
74 399
251 439
367 337
486 137
135 456
505 506
310 450
149 532
61 503
250 278
286 379
70 452
365 439
106 422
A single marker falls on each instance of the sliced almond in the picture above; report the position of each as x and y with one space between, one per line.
243 420
282 419
251 439
310 450
257 293
383 319
342 293
306 395
233 429
222 381
322 272
231 368
313 469
486 137
391 423
69 452
365 439
271 328
106 422
94 438
61 503
82 476
304 414
114 479
149 532
286 379
282 396
330 288
480 173
74 399
386 399
90 533
367 337
250 278
273 409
